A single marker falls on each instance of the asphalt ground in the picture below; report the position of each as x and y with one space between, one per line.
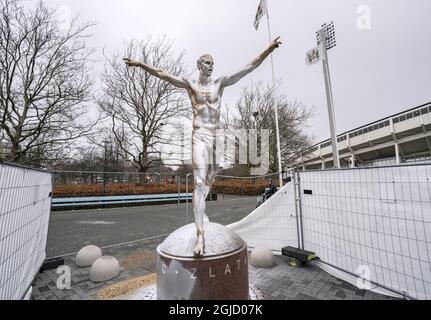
69 231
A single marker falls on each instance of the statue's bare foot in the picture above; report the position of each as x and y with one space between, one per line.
199 248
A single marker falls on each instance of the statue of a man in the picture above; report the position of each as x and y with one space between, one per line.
205 95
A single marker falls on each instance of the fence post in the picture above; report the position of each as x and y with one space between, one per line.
179 199
187 196
179 188
53 179
298 209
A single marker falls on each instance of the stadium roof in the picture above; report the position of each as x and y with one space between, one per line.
400 138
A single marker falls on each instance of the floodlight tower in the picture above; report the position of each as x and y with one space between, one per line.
326 41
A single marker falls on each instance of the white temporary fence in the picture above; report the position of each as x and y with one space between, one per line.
272 225
374 223
25 201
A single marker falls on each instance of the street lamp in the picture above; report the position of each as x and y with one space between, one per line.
105 143
255 115
2 148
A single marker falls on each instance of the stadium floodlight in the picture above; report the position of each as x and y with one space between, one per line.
329 32
325 41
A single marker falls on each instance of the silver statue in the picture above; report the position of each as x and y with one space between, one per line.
205 95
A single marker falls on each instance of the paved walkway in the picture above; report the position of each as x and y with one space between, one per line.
305 283
138 260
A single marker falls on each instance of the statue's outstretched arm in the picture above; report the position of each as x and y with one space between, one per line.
231 80
157 72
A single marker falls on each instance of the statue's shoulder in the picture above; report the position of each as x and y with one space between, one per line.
221 79
191 82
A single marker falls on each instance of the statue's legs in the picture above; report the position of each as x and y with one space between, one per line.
204 171
211 174
199 207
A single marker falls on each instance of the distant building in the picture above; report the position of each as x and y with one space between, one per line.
404 137
5 149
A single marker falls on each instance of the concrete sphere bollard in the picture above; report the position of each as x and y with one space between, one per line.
87 255
262 258
104 269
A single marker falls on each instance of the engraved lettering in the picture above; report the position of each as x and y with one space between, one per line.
212 275
164 268
227 270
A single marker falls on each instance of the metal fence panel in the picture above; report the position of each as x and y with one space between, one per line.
377 218
24 216
114 208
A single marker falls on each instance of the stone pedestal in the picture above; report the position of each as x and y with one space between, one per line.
221 274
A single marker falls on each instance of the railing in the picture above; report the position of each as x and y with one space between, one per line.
93 202
25 200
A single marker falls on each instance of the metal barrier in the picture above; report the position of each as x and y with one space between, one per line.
25 200
375 219
117 219
95 202
371 222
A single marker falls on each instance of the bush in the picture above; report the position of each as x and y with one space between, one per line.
246 187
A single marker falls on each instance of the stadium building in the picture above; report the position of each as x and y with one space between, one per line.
403 137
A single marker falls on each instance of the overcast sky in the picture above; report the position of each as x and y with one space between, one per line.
375 73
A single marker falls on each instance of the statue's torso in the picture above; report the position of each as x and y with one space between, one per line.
206 103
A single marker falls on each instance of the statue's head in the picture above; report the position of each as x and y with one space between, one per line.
206 65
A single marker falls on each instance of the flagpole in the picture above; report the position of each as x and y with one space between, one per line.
277 127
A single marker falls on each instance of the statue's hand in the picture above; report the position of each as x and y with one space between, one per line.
131 63
275 44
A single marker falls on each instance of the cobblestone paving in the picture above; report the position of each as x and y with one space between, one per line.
305 283
150 293
278 283
45 285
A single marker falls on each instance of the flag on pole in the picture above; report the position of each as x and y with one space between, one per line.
261 11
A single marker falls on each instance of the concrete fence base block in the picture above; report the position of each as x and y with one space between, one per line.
87 255
104 269
262 258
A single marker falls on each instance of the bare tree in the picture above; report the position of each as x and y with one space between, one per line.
138 106
255 110
43 82
107 145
